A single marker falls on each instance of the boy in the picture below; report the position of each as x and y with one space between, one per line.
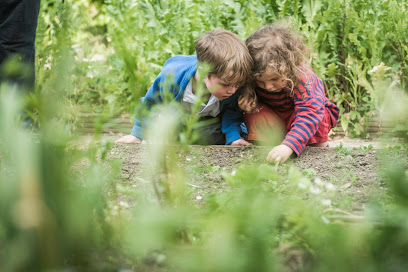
231 66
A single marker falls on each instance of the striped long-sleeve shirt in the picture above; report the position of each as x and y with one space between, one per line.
308 101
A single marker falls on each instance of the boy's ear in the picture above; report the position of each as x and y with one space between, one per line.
198 74
201 70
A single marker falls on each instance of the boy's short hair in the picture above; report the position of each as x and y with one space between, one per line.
226 54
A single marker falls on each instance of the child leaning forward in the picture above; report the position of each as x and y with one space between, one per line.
285 95
230 66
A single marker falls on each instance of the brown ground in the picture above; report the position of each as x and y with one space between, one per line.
354 172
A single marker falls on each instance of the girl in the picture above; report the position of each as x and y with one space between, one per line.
287 92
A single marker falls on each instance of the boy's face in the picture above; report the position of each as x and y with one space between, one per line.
219 87
271 81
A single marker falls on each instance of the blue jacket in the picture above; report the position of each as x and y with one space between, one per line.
182 69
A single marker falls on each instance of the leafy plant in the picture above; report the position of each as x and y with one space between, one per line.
120 46
340 148
366 149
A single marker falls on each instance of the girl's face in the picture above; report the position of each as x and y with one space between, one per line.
271 81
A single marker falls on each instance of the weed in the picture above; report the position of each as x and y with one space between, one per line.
310 173
366 149
341 149
353 178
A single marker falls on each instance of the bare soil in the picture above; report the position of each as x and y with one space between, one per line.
356 173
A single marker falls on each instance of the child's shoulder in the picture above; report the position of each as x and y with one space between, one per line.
179 69
179 64
181 60
307 74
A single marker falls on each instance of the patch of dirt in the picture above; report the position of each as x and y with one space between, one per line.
355 172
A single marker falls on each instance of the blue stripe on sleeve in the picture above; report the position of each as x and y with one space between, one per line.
299 133
294 145
307 131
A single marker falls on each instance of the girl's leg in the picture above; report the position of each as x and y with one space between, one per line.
325 144
264 127
322 134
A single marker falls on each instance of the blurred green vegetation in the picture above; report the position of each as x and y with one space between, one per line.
118 47
62 205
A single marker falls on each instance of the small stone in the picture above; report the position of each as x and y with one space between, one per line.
315 190
302 185
345 186
124 204
318 180
326 202
330 186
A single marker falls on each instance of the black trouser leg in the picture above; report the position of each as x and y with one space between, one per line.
210 133
18 25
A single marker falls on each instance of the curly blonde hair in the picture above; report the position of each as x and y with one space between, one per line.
279 48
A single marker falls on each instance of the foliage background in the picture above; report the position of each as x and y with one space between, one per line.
118 47
60 203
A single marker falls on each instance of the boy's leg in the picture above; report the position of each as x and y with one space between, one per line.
210 133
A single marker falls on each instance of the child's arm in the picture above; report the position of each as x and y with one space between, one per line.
231 126
231 122
309 109
173 78
309 112
152 97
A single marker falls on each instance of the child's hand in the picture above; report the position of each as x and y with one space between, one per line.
240 142
247 103
129 139
279 153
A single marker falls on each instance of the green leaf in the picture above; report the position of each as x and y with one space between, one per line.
344 122
332 69
353 115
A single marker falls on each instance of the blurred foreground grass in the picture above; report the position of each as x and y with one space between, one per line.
63 209
59 202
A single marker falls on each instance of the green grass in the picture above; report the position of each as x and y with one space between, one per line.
99 208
